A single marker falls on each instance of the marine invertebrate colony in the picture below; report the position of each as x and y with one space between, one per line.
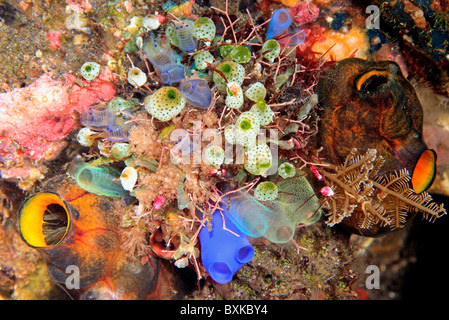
155 160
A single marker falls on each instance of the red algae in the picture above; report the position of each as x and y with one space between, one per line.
50 104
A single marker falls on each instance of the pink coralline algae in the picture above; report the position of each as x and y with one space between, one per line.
81 6
54 39
36 118
304 13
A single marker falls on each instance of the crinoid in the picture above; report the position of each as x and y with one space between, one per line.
370 204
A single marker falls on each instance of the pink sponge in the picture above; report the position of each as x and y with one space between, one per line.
41 114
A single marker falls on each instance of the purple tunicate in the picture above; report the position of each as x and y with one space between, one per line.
172 74
116 133
160 57
197 93
185 38
94 119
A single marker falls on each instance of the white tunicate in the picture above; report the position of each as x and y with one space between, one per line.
264 112
136 77
287 170
234 99
121 150
266 191
86 137
128 178
258 159
150 22
139 42
78 22
90 70
204 28
229 134
246 129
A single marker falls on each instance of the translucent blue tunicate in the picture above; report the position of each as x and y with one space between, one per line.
94 119
294 37
197 93
257 219
116 133
280 21
224 250
160 56
173 74
184 35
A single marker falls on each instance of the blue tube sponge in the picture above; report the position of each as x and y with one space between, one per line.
223 253
280 21
197 93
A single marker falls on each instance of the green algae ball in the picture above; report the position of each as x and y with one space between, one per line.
258 159
287 170
266 191
204 28
233 72
90 70
271 50
165 103
214 155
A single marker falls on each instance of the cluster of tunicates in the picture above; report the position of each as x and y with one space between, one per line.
113 128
